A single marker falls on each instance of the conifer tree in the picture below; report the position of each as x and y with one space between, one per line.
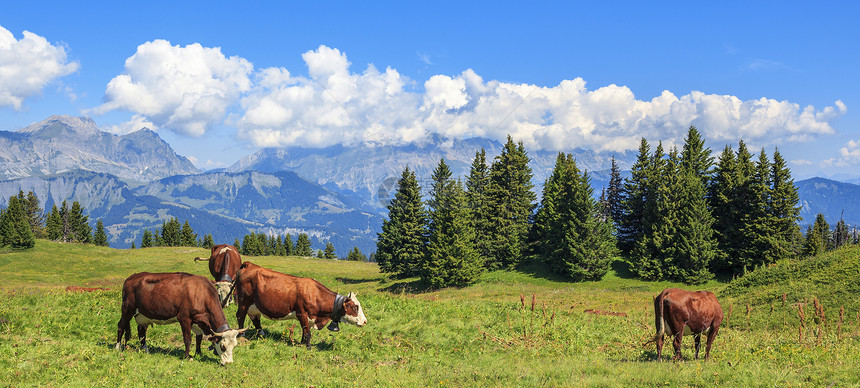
208 242
78 224
402 243
817 237
279 246
451 259
695 157
15 228
615 196
355 255
840 235
722 193
571 235
303 245
757 224
170 233
54 224
329 251
133 246
35 214
146 241
237 244
693 244
478 205
510 203
187 235
100 237
635 196
657 220
785 209
288 245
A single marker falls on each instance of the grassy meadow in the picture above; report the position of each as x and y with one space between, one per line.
792 324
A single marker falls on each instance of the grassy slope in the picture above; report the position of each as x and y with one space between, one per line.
480 335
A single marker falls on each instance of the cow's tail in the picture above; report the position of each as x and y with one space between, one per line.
196 259
659 322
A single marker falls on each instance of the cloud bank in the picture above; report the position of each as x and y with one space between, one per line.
28 65
190 89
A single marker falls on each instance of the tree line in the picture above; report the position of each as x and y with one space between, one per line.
680 216
22 221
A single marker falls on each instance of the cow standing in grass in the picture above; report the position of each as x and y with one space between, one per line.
278 296
163 298
224 262
678 312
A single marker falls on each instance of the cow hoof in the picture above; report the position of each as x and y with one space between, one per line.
333 326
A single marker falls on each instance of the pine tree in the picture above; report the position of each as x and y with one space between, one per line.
100 237
187 236
303 245
615 196
132 245
840 235
80 229
54 224
35 214
634 198
402 243
451 259
785 209
657 222
476 198
146 241
571 234
288 245
817 237
15 230
157 240
510 204
693 245
171 233
320 254
208 242
279 246
237 244
356 255
695 158
722 193
329 252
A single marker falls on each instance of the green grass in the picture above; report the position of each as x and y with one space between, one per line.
483 335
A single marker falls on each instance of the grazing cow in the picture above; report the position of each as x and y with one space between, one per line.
678 312
163 298
224 262
278 296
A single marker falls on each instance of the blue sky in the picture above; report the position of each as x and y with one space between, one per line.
219 80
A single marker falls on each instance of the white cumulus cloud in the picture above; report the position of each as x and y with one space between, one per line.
337 106
185 89
28 65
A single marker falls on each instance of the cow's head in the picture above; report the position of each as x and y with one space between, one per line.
352 312
224 290
224 342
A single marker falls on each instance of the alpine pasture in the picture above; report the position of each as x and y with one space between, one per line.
792 324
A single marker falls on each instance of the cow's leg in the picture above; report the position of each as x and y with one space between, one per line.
186 337
141 336
123 327
698 338
659 340
677 344
306 329
711 335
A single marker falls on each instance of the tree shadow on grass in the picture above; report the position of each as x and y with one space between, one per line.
413 286
358 281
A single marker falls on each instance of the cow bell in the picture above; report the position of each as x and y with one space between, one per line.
333 326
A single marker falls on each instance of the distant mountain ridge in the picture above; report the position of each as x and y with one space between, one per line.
61 144
370 172
831 198
226 205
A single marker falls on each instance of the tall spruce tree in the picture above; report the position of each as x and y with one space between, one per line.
615 196
80 230
635 196
657 218
35 214
570 233
451 259
402 244
817 237
15 230
146 240
757 224
54 224
785 209
695 157
722 192
693 244
289 249
187 235
100 237
478 203
329 251
303 245
510 203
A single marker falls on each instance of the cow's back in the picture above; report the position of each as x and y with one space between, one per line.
277 294
164 295
224 260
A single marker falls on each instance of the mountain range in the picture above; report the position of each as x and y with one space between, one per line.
335 194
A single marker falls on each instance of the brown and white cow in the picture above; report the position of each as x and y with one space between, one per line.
678 312
278 296
164 298
224 262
